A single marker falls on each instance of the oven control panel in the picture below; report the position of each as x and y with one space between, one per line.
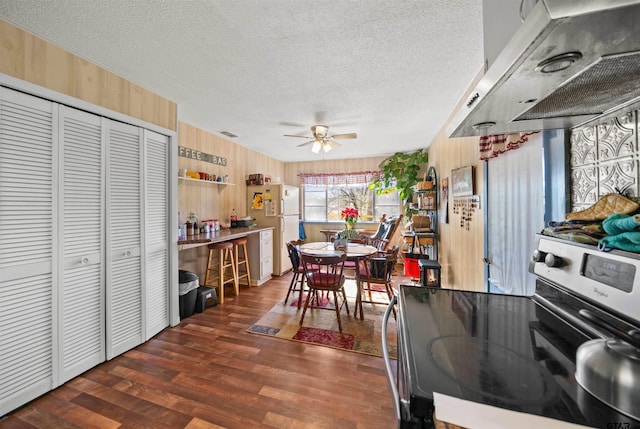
610 279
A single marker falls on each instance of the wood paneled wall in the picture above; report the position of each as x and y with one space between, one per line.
27 57
461 251
212 201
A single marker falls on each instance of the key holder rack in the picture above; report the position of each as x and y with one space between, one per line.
465 207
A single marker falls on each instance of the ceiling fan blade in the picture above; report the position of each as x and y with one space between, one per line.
333 142
345 136
292 124
306 143
303 137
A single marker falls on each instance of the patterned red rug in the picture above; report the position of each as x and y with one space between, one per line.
324 337
321 325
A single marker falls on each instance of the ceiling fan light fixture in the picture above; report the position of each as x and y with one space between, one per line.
321 140
319 131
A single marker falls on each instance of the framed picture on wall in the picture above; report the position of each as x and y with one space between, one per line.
462 182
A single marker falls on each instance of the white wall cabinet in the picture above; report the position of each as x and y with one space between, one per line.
260 248
84 242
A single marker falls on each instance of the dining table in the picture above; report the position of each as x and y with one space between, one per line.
354 251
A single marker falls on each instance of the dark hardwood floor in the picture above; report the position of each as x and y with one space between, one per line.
208 372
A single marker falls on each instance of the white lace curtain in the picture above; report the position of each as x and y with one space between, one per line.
515 211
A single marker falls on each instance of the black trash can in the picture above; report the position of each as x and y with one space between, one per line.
188 292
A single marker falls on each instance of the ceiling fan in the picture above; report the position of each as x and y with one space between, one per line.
321 139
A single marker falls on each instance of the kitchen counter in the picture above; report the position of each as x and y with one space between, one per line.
226 234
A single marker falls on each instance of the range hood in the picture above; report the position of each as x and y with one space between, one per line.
570 63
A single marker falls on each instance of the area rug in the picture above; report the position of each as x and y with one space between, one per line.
321 324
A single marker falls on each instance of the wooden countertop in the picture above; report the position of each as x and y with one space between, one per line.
204 239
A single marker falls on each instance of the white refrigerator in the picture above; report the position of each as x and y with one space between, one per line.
277 206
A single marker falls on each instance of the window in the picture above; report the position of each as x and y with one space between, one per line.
325 196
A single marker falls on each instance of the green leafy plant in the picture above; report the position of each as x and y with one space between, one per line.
400 172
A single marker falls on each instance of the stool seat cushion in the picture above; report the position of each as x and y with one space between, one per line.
223 245
238 241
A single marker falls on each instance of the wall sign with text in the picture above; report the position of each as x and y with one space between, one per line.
201 156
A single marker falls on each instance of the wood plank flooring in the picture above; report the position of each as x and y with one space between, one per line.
208 372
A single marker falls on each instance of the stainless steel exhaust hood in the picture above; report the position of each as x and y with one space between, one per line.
571 62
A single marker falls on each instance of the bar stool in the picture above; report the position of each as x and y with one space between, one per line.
244 260
217 268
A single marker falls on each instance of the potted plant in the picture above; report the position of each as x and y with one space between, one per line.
401 172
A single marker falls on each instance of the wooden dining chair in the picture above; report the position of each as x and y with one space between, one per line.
375 269
298 278
325 274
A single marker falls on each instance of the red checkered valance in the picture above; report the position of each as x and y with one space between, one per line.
334 179
496 144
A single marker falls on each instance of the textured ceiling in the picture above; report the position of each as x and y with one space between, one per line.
391 71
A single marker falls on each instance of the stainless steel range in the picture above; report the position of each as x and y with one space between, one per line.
519 353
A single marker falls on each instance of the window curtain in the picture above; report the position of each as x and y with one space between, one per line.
333 179
494 145
515 213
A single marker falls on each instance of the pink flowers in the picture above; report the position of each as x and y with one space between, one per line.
350 215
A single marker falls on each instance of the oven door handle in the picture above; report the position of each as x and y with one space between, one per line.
387 360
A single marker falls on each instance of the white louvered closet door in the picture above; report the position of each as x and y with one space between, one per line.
82 338
156 232
27 240
124 238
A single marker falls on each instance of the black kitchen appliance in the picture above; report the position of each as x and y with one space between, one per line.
515 352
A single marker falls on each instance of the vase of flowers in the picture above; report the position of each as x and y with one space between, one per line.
350 216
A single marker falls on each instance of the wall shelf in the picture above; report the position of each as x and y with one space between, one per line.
210 182
426 242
